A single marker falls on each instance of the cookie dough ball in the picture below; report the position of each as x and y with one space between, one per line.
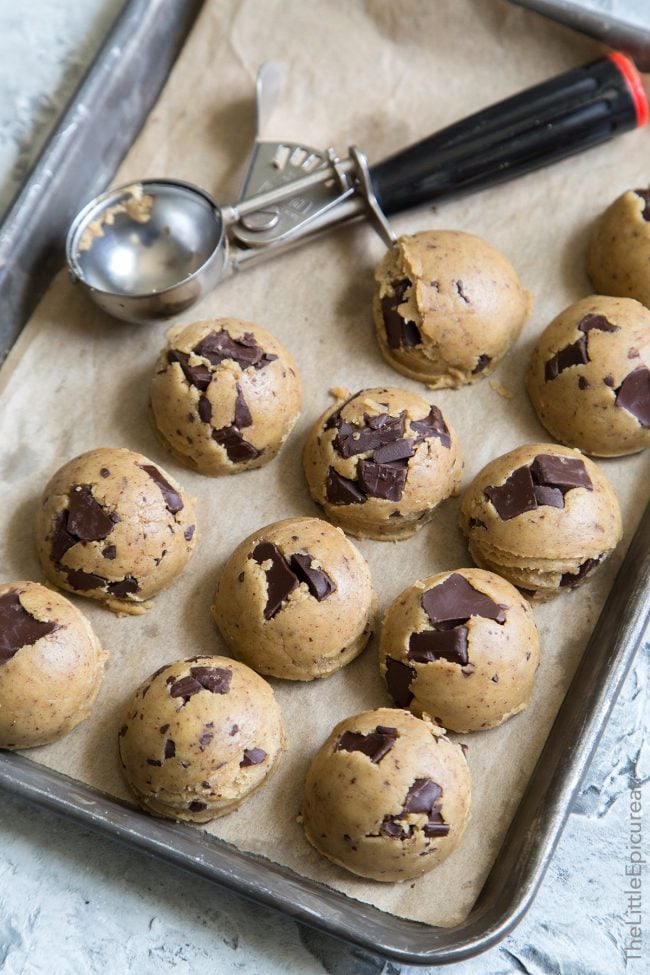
387 796
295 600
115 527
379 462
225 396
447 307
51 665
200 736
588 380
461 646
618 252
542 516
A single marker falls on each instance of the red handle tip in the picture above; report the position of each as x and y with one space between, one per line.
634 84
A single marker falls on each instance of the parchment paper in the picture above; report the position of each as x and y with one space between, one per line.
381 75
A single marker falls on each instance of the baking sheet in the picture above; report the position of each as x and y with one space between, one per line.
381 77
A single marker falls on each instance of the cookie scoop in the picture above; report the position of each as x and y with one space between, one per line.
115 527
200 736
447 307
225 396
544 517
618 252
387 796
381 461
462 647
51 665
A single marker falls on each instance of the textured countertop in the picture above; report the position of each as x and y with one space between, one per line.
73 902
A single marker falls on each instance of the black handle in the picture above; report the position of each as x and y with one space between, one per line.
557 118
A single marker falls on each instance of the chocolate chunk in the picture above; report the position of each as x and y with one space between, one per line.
155 762
87 520
515 496
564 473
573 578
243 416
432 425
217 680
83 581
196 806
633 394
334 420
598 322
164 727
245 351
18 628
384 481
433 645
280 580
170 748
109 552
572 355
188 534
399 332
124 587
453 602
609 381
205 739
171 497
205 409
318 582
342 490
398 681
394 830
398 450
233 731
376 744
123 730
237 449
549 495
252 756
583 382
645 196
104 472
424 798
186 688
482 362
376 432
62 540
198 375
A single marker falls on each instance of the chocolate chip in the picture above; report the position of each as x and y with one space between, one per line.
564 473
598 322
237 449
398 681
205 739
334 420
549 495
609 381
196 806
62 540
243 416
198 375
280 580
482 362
252 756
188 534
433 425
186 688
104 472
376 432
633 394
399 332
125 587
109 552
163 728
455 600
494 678
433 645
425 798
218 346
205 409
318 582
515 496
18 628
398 450
84 581
376 744
170 748
233 731
645 196
123 730
342 490
583 382
171 497
154 761
572 355
382 480
87 520
573 578
217 680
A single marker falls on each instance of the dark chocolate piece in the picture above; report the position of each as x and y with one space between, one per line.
433 645
205 739
252 756
205 409
573 578
549 495
171 497
376 432
571 355
217 680
425 798
432 425
245 351
398 681
124 587
198 375
109 552
188 534
376 744
87 520
453 602
334 420
482 363
243 416
155 762
515 496
633 394
384 481
83 581
342 490
319 583
399 332
609 381
583 382
186 688
645 196
18 628
62 540
598 322
104 472
561 472
398 450
196 806
280 580
170 748
237 449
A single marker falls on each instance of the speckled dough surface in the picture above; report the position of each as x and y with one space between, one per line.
544 517
380 462
225 396
387 796
447 307
115 527
589 379
618 252
200 735
51 665
295 600
461 647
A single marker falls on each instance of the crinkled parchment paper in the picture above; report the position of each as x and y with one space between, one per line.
381 75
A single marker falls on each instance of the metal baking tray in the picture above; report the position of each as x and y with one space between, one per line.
148 33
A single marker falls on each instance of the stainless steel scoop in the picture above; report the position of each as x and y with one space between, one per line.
151 249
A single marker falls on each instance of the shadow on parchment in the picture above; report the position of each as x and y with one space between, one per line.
234 124
23 562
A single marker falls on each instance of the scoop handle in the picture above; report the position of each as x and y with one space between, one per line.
559 117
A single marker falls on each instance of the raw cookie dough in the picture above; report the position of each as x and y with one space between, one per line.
544 517
618 253
447 307
115 527
380 461
295 600
462 647
589 379
200 735
51 665
387 796
225 396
